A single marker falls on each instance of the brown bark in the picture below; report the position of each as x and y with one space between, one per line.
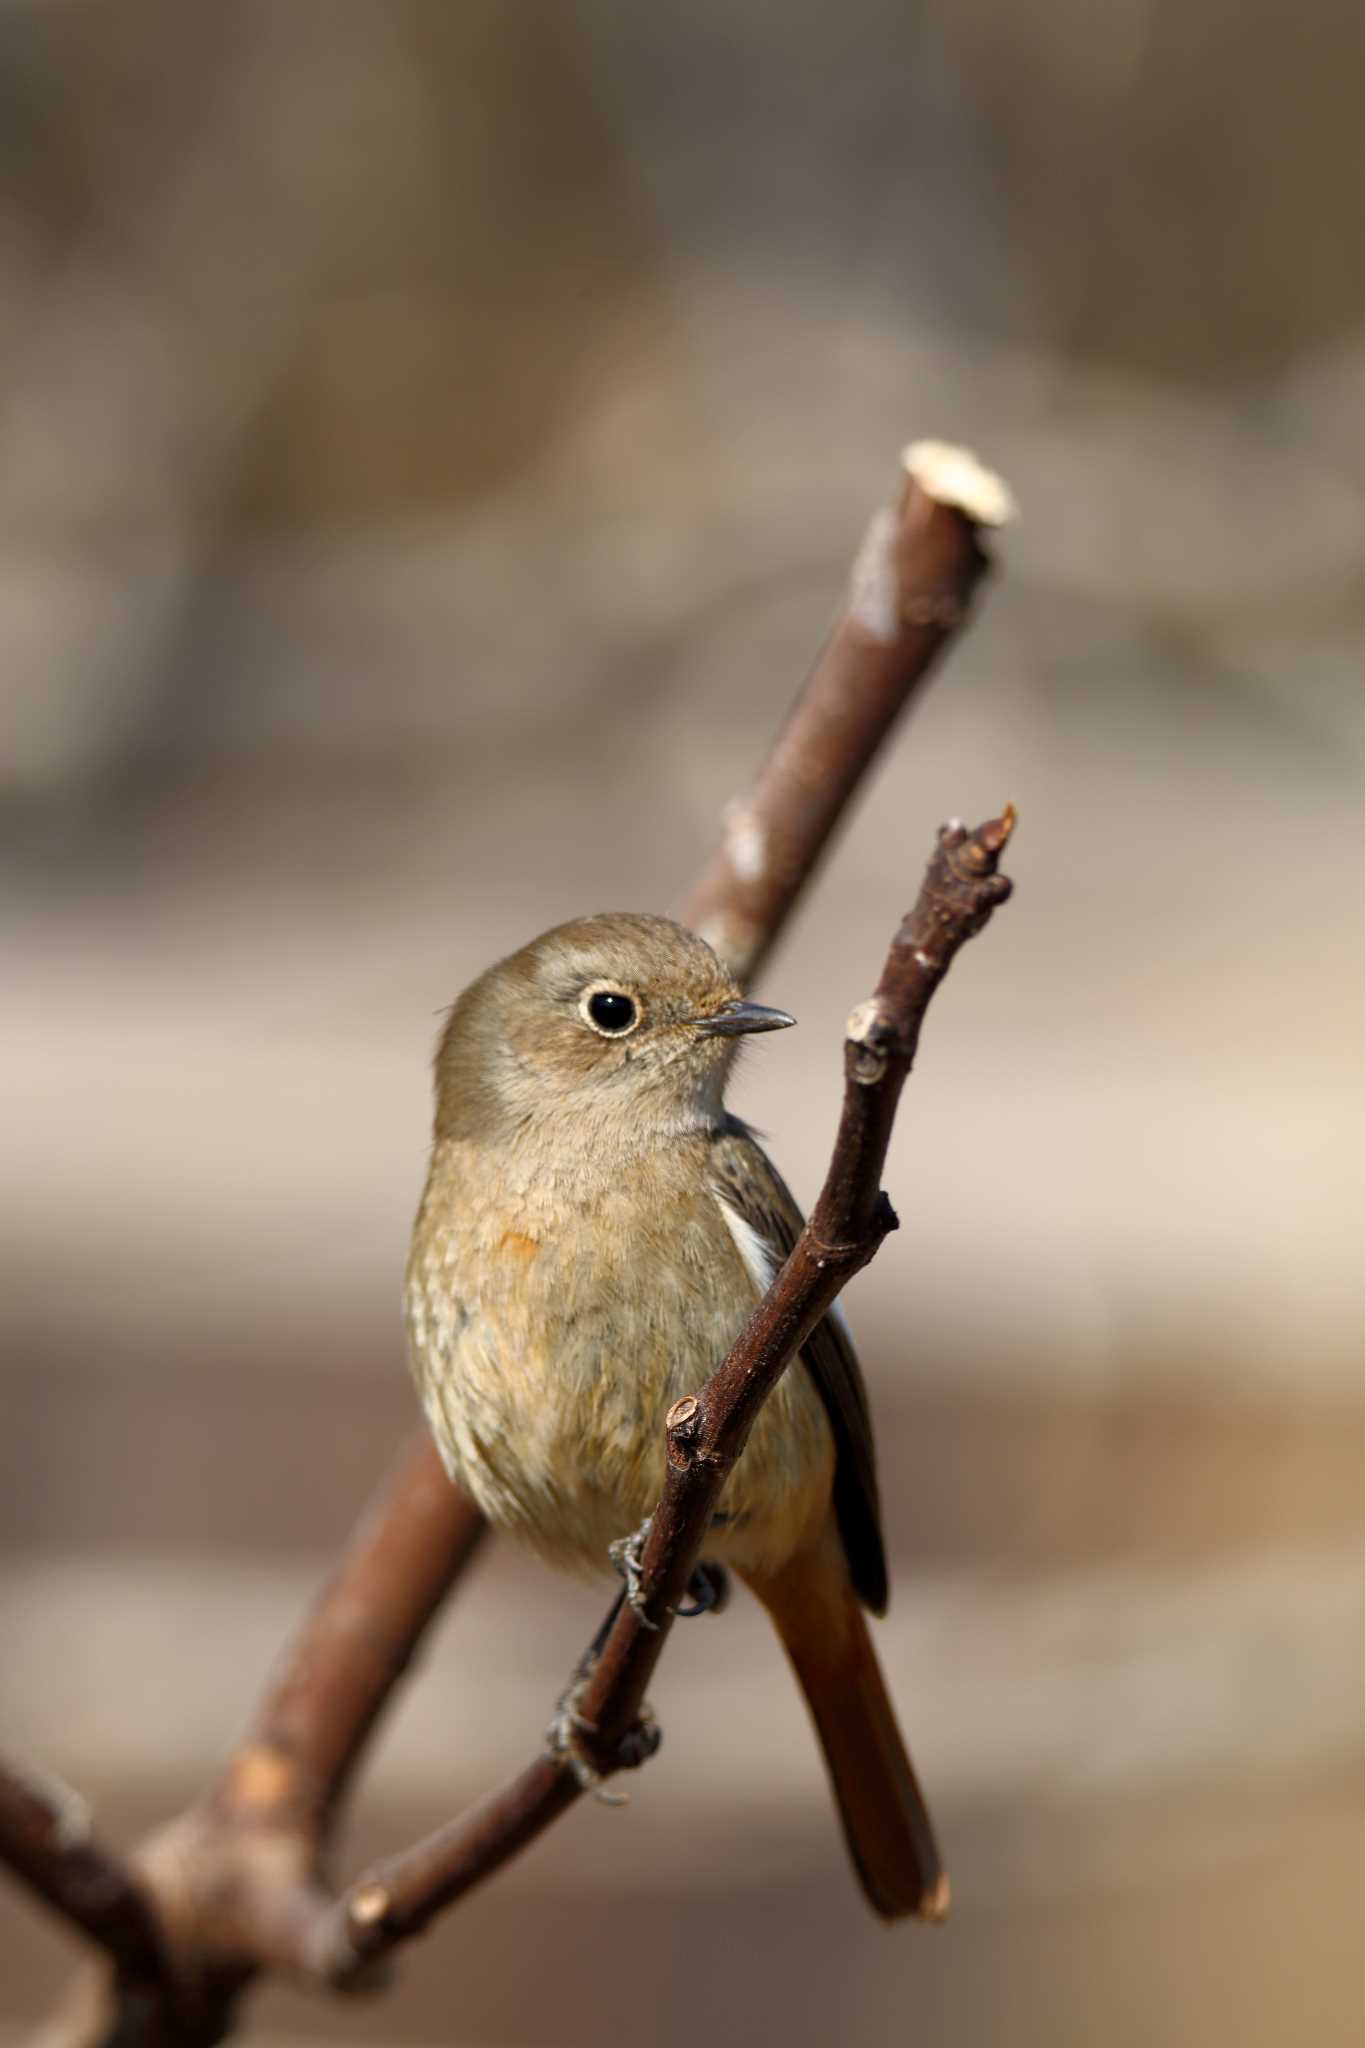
412 1545
46 1839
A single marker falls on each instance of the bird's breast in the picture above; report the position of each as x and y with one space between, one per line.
553 1322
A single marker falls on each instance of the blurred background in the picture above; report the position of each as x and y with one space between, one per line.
432 443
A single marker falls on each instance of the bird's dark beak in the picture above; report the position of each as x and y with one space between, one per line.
733 1019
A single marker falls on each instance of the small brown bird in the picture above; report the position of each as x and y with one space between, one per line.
594 1234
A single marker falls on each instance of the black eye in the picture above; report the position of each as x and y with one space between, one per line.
611 1012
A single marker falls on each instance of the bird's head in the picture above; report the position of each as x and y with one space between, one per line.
614 1017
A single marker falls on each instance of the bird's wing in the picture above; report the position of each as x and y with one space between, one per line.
766 1222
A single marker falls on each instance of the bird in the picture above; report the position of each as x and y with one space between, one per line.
594 1233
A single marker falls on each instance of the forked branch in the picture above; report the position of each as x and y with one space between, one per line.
232 1887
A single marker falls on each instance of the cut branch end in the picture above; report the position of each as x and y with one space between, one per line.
956 476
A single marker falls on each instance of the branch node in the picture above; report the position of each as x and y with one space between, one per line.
370 1905
260 1780
985 846
868 1035
960 890
865 1022
867 1067
681 1419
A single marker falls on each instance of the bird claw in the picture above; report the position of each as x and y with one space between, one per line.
627 1554
564 1739
708 1591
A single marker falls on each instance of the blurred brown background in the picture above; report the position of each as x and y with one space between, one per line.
432 439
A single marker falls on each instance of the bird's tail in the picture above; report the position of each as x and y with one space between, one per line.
886 1823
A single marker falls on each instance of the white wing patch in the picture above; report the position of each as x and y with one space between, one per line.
758 1255
763 1262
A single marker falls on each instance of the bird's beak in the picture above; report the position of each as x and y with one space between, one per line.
732 1019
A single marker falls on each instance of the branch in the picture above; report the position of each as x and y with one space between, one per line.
707 1431
233 1882
909 593
46 1839
910 588
412 1545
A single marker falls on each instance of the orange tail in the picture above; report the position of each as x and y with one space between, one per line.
886 1823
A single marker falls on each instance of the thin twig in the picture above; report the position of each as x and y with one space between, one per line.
707 1430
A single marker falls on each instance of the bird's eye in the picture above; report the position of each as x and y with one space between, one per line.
610 1012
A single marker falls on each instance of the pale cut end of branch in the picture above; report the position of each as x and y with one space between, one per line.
956 476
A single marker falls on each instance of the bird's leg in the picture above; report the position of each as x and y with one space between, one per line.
587 1663
708 1589
564 1740
566 1731
627 1554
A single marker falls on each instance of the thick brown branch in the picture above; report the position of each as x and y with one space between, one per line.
46 1839
413 1544
909 593
706 1432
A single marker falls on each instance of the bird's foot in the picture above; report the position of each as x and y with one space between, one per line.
709 1586
627 1553
564 1739
708 1591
